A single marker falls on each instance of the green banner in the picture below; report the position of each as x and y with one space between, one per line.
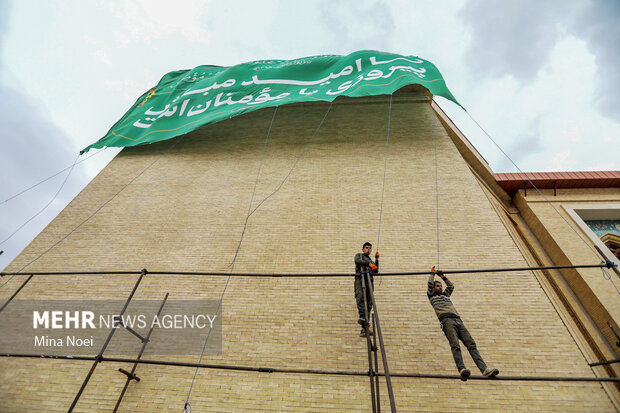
185 100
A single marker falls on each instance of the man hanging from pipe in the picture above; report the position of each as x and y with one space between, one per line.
364 265
453 327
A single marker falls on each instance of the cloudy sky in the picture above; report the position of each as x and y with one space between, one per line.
539 75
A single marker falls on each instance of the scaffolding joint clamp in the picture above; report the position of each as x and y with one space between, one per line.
130 376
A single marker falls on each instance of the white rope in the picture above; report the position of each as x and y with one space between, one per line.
436 185
598 257
187 407
295 164
387 144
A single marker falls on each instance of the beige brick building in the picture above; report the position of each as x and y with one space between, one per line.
181 205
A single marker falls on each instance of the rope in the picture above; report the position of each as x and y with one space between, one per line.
607 276
46 205
295 164
250 212
543 196
436 184
188 407
260 166
532 183
50 177
387 144
96 211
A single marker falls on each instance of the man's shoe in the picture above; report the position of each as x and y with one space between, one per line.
465 373
490 372
363 332
361 321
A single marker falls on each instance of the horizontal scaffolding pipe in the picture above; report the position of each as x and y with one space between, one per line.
308 371
602 363
15 293
242 274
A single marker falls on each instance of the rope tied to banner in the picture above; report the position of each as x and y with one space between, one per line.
250 213
606 275
387 145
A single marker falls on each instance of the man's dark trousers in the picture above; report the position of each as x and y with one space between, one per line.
359 295
454 329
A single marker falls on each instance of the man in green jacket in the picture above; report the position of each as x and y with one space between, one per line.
453 326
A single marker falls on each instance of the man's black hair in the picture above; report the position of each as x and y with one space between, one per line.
365 244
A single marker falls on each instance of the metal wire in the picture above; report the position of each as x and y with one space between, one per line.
50 177
533 185
46 205
97 210
543 196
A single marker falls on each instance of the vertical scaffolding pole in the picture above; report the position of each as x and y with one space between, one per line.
132 374
15 293
386 369
376 366
369 346
105 345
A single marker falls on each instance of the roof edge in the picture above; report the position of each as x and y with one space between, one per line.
512 182
471 155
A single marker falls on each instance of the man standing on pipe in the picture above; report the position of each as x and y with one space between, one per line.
453 327
364 265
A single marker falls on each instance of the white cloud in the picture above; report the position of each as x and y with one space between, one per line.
148 21
101 56
560 161
555 111
605 166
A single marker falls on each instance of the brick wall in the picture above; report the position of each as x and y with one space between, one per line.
186 212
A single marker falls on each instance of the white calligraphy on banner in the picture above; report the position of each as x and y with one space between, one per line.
192 102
